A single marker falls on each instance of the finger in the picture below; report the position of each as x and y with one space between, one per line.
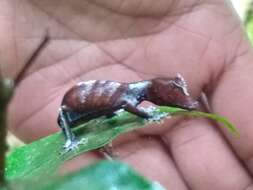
79 162
149 157
233 99
204 159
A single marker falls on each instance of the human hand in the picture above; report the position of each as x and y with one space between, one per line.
135 40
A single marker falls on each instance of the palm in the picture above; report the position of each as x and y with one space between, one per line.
133 42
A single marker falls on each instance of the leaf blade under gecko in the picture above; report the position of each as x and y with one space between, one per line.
43 157
226 123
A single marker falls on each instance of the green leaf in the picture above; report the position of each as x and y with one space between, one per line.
249 23
104 175
43 157
211 116
100 176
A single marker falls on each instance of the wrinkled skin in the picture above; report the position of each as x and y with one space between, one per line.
134 40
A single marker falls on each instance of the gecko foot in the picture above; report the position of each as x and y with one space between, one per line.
71 145
154 116
157 117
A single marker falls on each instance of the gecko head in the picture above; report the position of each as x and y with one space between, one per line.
173 92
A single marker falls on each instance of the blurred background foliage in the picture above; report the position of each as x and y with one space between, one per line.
241 7
244 9
248 20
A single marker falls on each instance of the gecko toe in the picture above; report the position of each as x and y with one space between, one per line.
73 145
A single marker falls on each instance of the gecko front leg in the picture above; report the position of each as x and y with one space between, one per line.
71 142
136 111
146 113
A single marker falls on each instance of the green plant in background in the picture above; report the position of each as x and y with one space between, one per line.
99 176
249 21
5 95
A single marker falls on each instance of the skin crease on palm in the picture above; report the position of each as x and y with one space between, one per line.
129 40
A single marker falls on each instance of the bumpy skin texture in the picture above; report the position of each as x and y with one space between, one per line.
94 95
91 99
131 40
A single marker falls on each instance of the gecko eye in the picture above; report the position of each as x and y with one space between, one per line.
180 83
